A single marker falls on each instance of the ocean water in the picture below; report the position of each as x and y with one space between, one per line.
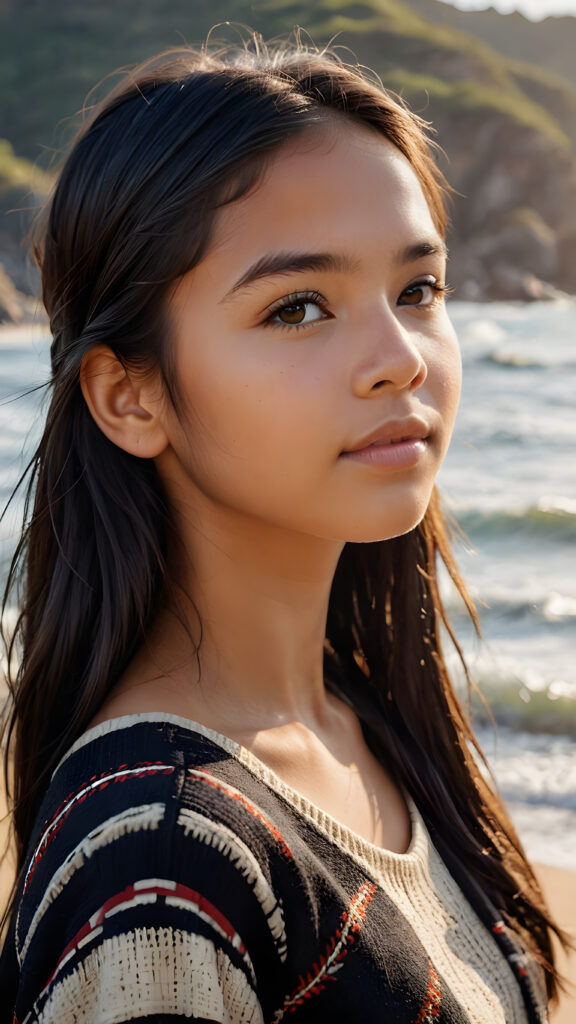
509 481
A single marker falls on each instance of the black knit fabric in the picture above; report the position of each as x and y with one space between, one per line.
167 880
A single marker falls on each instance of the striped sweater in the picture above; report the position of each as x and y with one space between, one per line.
172 875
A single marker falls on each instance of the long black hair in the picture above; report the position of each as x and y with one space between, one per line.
132 212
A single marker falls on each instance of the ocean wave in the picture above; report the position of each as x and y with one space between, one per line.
522 710
515 696
554 520
551 609
536 770
522 359
513 360
517 692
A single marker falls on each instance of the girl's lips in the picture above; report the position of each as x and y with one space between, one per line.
393 431
400 454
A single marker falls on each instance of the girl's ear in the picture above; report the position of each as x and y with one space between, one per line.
127 408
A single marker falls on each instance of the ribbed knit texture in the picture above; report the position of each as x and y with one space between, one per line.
173 875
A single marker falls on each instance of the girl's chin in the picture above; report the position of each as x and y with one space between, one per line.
376 538
372 533
369 530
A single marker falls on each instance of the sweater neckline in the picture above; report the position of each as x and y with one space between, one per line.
376 858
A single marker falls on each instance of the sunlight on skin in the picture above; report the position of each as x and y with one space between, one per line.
301 367
284 384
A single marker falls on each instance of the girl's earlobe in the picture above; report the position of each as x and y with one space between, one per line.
126 406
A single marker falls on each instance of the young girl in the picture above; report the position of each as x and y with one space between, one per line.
243 787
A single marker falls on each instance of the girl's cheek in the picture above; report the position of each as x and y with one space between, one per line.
450 360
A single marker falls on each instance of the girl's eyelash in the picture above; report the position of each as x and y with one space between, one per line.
428 282
295 299
315 298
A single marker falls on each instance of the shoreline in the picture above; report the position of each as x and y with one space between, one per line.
30 331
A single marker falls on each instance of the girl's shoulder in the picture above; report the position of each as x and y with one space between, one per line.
147 852
165 852
134 761
135 781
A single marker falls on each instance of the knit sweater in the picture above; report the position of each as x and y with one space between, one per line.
172 875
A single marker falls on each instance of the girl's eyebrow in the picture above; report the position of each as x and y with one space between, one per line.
274 264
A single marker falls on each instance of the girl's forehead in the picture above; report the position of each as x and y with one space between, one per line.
353 198
344 179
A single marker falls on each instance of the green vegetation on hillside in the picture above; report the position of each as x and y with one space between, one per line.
549 44
16 172
507 127
21 185
467 95
86 41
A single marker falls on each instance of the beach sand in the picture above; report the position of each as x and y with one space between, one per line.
559 888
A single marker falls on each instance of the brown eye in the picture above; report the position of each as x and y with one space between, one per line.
423 293
293 314
298 310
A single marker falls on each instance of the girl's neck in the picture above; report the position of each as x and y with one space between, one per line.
243 626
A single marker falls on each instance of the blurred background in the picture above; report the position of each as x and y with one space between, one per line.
499 86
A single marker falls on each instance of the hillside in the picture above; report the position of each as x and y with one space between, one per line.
21 185
508 127
549 44
88 40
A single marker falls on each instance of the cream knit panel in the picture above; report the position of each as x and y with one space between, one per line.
150 971
460 946
462 949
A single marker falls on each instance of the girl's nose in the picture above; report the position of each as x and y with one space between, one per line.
391 356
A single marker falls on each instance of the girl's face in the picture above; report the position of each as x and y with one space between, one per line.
314 327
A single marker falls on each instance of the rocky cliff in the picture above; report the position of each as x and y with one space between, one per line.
507 126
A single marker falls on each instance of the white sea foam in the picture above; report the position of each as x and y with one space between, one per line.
548 834
536 776
482 330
